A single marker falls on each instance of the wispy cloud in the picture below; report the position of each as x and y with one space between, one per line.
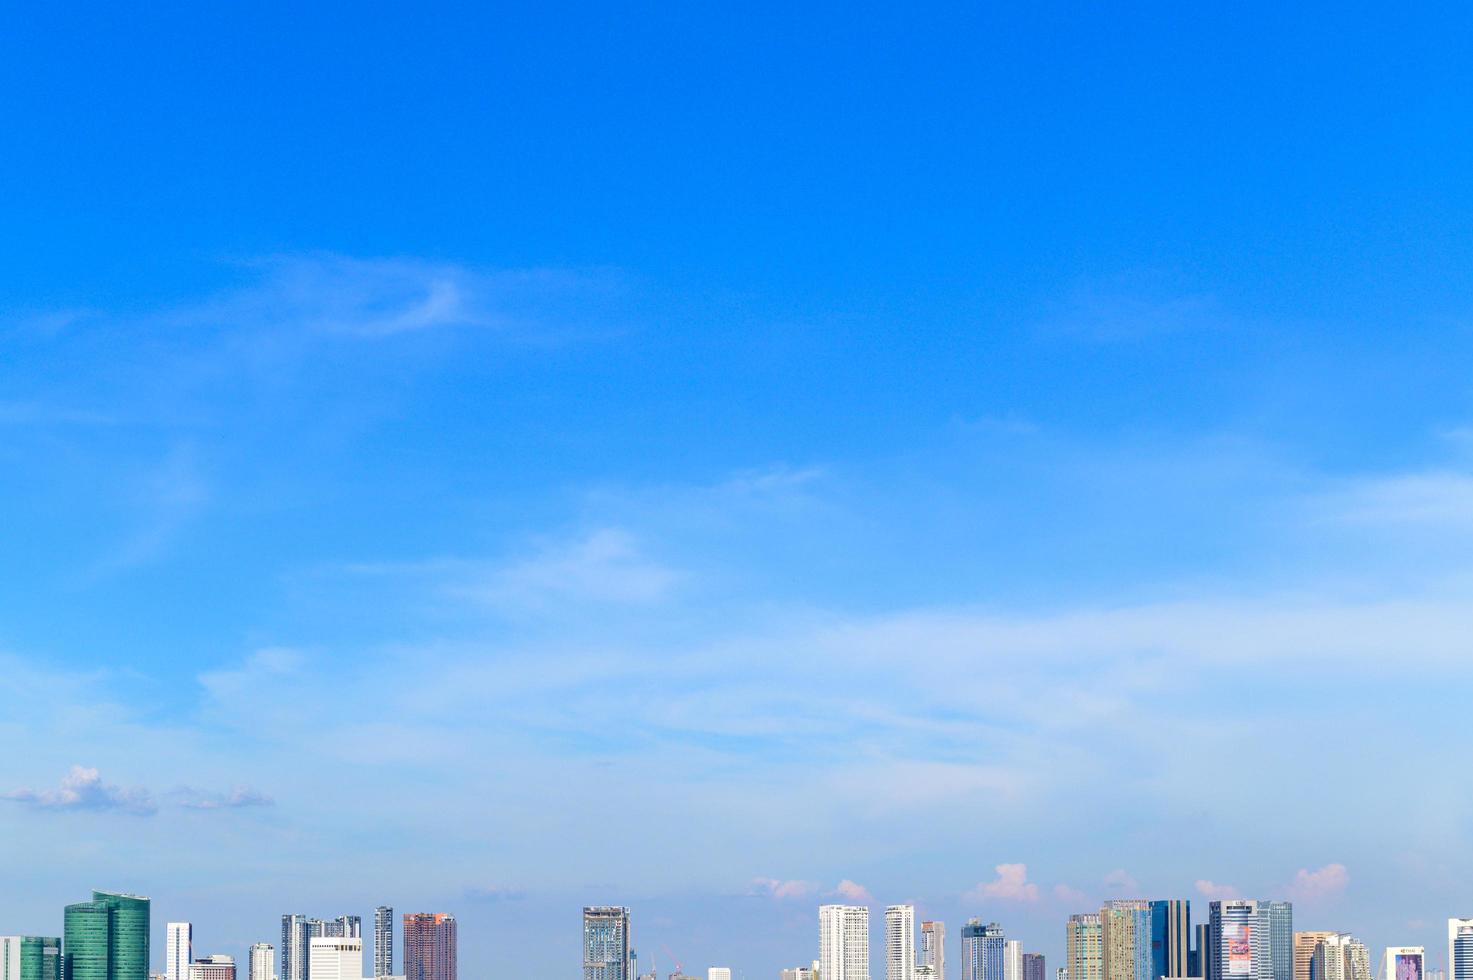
605 566
1122 881
235 799
1010 885
84 789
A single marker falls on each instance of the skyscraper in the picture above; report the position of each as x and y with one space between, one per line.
982 951
606 952
106 938
178 950
1082 946
900 954
1125 940
1012 959
263 962
1033 967
383 941
933 948
843 942
30 958
1171 938
1405 963
343 927
335 957
1304 947
430 946
1460 949
1278 920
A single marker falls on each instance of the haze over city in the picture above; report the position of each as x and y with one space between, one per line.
719 461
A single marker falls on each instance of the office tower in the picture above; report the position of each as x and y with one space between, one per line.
933 948
1460 949
383 941
343 927
296 937
215 967
843 942
1305 944
900 954
1198 965
430 946
1012 959
263 962
335 957
1278 920
1405 962
605 943
1125 940
1171 938
1082 947
982 951
30 958
1033 966
718 973
106 938
178 950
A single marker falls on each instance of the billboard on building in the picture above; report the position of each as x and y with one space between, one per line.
1408 966
1239 939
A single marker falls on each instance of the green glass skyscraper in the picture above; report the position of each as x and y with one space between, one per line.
30 958
106 938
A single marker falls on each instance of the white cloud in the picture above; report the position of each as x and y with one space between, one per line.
852 892
83 789
1214 891
1010 885
1122 881
1326 882
781 889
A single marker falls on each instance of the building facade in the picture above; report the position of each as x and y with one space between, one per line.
900 953
1083 948
431 946
933 948
1171 938
606 950
262 963
335 958
1033 966
843 942
1125 940
1305 943
30 958
214 967
106 938
1012 959
983 951
178 950
1405 963
1460 949
383 941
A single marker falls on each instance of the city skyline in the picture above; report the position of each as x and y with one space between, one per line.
724 460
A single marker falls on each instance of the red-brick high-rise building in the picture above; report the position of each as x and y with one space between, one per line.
429 946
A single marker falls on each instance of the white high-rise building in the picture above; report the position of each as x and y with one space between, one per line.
383 941
1405 962
263 962
1012 960
336 958
933 948
178 950
900 952
1460 949
718 973
801 972
843 942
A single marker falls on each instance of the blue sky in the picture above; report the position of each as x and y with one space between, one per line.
715 458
